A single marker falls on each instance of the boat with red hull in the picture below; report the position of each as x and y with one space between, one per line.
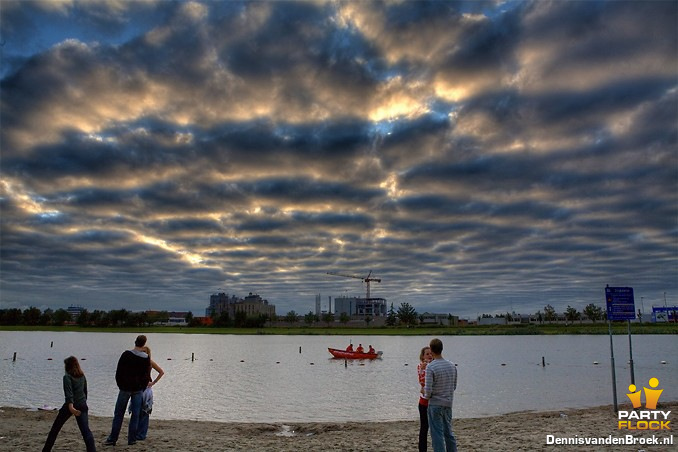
343 354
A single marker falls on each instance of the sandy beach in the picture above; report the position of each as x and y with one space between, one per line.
26 430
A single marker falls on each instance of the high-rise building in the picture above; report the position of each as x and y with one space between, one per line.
252 305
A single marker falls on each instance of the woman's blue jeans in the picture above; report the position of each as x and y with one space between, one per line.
119 413
83 425
142 427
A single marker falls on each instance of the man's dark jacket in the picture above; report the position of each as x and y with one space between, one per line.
133 371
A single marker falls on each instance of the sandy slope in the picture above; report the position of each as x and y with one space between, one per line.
23 430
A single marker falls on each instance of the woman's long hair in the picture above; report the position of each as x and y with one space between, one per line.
73 367
421 354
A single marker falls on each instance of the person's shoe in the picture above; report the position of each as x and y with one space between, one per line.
131 443
108 442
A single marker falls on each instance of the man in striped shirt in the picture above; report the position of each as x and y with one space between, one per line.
439 386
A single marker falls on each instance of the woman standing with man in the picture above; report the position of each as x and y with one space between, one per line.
147 398
425 357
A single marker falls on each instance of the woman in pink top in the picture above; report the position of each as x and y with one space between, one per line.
425 357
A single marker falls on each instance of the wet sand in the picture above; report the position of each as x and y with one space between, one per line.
24 430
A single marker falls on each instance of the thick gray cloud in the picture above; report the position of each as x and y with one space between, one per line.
477 156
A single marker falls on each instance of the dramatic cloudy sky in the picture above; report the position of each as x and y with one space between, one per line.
478 156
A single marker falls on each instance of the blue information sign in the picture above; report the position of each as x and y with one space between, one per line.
620 304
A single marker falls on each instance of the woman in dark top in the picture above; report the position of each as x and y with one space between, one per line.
75 393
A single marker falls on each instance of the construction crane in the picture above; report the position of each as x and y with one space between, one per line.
367 279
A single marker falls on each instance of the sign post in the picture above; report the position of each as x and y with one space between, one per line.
620 306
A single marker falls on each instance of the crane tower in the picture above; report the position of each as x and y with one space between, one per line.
367 279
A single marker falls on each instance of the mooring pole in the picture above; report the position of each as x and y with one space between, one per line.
633 377
614 376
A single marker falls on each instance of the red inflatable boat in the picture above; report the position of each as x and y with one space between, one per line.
343 354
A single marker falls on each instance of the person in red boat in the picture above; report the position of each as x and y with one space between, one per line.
371 349
349 348
360 349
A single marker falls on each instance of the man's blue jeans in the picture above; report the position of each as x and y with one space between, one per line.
119 414
440 423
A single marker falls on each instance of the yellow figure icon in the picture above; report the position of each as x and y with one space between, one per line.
634 396
652 395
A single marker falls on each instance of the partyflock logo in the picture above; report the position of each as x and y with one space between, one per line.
649 419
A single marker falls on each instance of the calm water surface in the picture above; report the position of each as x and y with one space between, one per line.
266 379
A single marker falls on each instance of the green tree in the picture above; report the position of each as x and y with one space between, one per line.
31 316
83 318
144 319
310 318
344 318
240 319
549 313
118 317
593 312
46 317
60 317
571 314
407 314
157 317
256 321
222 320
540 316
368 320
10 316
100 318
133 319
291 317
391 317
328 318
189 317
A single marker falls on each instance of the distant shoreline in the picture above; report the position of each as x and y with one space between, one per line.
489 330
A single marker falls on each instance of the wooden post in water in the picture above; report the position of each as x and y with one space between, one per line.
51 345
614 377
192 357
543 363
14 358
300 349
633 376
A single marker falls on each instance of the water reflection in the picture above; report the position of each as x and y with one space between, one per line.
266 379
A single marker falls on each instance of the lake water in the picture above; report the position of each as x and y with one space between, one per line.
265 378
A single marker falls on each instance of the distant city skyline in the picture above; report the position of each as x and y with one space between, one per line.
477 157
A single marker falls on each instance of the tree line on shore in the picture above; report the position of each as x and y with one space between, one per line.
404 315
118 317
32 316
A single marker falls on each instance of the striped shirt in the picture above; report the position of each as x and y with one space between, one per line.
440 382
